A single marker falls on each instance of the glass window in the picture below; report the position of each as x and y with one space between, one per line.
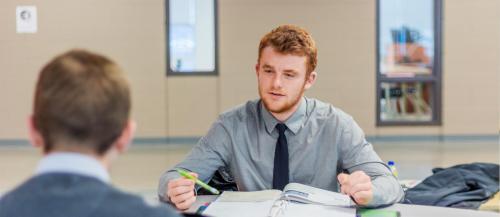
406 101
191 37
408 62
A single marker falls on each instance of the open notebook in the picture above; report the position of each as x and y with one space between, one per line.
295 200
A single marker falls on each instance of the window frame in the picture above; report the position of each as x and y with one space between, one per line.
435 78
169 71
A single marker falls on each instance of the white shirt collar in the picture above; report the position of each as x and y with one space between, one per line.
70 162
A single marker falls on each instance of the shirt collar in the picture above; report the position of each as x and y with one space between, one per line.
293 123
75 163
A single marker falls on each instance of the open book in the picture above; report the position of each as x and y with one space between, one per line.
293 200
293 192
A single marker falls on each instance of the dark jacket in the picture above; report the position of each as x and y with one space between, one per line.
71 195
461 186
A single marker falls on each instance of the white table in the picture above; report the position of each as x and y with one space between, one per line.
405 209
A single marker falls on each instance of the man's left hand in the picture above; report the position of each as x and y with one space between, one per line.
358 185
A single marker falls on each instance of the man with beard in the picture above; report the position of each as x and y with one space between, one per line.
286 137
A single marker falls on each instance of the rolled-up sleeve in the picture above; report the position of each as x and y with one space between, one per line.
357 154
211 152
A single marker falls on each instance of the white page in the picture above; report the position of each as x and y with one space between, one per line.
249 196
308 194
305 210
240 209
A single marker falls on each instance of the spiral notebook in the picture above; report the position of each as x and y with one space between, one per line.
295 200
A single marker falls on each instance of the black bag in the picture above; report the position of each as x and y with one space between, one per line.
222 181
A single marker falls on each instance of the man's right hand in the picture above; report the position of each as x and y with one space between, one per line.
181 192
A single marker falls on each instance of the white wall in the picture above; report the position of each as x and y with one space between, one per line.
133 33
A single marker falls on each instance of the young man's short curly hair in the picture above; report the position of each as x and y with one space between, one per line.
291 39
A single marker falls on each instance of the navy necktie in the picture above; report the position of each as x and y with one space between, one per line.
281 171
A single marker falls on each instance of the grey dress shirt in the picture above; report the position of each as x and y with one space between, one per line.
322 142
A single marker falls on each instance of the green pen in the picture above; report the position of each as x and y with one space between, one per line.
186 174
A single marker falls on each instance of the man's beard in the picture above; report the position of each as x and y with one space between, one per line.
286 107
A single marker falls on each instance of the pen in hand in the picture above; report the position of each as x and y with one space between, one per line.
186 174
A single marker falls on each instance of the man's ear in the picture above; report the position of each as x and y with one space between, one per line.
123 142
34 135
310 80
257 69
